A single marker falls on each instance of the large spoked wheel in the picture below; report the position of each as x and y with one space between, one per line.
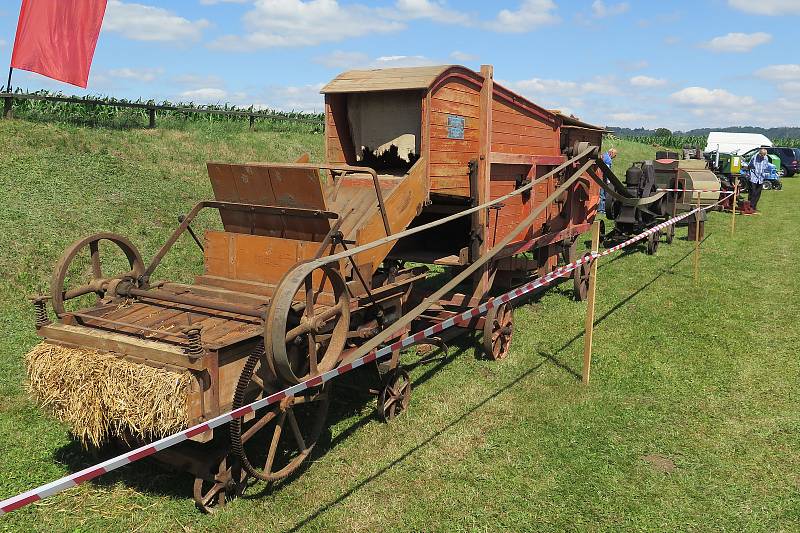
98 282
580 278
307 324
394 397
275 442
498 330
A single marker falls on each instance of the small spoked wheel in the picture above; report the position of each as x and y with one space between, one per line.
580 277
652 242
94 280
210 493
307 324
498 330
670 232
278 438
395 395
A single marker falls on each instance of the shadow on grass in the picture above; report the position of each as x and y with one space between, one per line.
322 509
154 477
577 375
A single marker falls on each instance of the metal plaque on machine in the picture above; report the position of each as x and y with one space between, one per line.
455 127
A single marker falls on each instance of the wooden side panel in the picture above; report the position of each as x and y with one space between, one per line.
338 141
257 258
504 179
517 131
402 206
449 158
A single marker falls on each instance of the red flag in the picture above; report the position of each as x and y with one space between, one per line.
57 38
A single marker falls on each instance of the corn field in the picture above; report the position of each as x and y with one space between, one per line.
111 112
679 141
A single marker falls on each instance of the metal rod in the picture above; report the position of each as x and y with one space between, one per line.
8 84
407 318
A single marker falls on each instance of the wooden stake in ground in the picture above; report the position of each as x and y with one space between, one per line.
697 241
735 196
589 326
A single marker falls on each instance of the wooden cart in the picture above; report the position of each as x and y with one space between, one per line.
311 262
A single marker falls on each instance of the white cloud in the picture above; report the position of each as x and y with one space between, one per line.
146 23
137 74
206 94
629 118
647 81
789 72
601 10
282 23
767 7
343 60
701 96
348 60
3 43
635 65
560 90
463 57
530 15
212 2
738 42
429 9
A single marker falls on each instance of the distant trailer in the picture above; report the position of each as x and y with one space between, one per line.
735 143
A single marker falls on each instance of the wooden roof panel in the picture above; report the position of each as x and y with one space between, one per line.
384 79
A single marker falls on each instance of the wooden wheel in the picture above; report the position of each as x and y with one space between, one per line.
498 329
670 232
210 493
303 337
98 284
652 242
394 397
274 443
580 277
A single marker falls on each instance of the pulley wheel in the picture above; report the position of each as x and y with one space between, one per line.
307 323
652 242
98 282
670 233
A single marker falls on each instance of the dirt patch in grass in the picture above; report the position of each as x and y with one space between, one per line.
660 463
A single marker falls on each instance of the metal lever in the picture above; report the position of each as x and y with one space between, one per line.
181 218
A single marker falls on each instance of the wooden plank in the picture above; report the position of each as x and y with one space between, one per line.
452 95
222 182
482 188
524 150
498 126
508 116
451 158
500 158
452 108
443 170
524 140
118 343
454 145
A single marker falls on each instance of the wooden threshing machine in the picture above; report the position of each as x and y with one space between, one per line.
311 268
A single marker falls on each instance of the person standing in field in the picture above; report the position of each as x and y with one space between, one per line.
758 170
608 159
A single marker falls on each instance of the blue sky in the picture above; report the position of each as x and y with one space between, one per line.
679 64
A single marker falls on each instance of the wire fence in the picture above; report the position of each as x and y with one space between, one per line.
107 111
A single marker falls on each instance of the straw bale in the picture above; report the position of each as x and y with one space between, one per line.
100 395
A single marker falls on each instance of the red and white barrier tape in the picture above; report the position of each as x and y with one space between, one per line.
691 190
72 480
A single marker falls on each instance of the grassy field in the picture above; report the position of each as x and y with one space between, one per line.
690 422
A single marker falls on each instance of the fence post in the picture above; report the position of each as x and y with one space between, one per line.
151 111
8 102
252 122
589 325
697 242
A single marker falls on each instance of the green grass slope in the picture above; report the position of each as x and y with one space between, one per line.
690 422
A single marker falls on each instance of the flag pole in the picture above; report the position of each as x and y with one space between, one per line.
8 85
